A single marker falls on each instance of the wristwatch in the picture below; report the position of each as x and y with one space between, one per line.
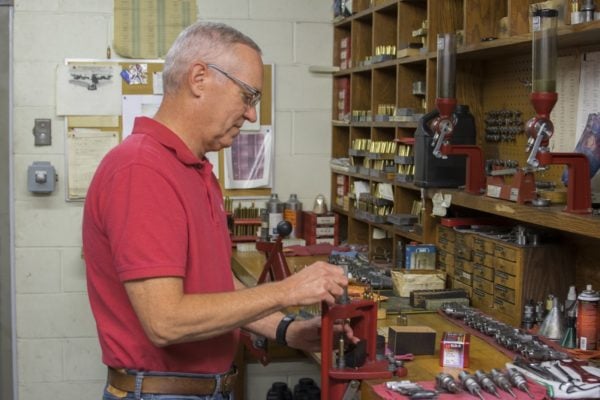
282 329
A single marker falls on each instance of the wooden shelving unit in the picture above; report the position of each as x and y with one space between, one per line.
491 69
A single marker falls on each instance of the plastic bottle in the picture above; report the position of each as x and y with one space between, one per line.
307 389
571 299
587 318
293 214
279 391
275 210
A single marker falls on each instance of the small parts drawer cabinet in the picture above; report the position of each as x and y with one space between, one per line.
502 277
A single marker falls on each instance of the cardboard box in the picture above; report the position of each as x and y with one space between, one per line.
405 281
417 340
454 350
419 256
418 298
320 228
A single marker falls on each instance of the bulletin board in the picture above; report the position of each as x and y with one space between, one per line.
99 99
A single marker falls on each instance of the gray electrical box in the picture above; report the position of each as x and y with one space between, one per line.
41 177
42 132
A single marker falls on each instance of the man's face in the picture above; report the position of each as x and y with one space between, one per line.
235 83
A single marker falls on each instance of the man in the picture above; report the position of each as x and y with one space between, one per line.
157 249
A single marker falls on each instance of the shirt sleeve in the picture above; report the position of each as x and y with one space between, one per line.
146 224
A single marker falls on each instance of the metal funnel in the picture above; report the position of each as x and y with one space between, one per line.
553 326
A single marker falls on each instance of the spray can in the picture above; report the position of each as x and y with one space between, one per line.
275 210
587 319
293 214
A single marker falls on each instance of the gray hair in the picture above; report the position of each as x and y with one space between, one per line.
202 40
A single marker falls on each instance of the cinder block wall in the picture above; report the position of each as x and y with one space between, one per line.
57 351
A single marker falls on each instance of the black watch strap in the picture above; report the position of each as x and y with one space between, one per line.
282 329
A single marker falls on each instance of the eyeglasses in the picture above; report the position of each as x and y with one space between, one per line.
251 95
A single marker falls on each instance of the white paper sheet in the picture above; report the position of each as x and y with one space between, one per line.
144 105
85 150
88 90
565 109
589 90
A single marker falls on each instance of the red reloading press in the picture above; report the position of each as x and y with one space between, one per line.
522 189
361 315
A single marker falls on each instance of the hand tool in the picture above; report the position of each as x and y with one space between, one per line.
577 368
412 390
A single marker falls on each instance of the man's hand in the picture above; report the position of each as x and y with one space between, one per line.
306 334
318 282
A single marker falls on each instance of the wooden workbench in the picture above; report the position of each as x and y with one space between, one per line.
247 266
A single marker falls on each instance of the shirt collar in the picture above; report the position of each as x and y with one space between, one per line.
170 140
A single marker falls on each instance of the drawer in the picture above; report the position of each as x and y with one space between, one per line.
482 300
504 293
506 252
506 308
456 284
465 265
448 234
483 245
463 251
505 266
483 285
446 245
464 239
479 244
478 256
482 258
445 257
463 276
505 279
440 265
450 269
483 272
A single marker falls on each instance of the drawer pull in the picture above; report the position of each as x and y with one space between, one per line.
502 275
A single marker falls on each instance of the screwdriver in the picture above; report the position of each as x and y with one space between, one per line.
470 384
502 381
486 383
518 381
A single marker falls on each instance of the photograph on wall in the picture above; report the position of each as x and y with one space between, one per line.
248 161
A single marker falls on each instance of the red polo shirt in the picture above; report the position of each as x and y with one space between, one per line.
154 209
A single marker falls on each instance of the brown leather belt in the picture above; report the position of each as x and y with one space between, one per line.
181 385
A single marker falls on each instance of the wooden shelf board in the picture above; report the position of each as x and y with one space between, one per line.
385 5
390 124
551 217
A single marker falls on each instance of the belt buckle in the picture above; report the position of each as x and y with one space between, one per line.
228 380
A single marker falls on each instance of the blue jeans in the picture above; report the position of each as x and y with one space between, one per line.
118 395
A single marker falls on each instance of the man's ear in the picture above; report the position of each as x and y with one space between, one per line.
196 78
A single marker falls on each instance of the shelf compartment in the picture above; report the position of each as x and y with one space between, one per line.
446 19
362 39
482 19
340 141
